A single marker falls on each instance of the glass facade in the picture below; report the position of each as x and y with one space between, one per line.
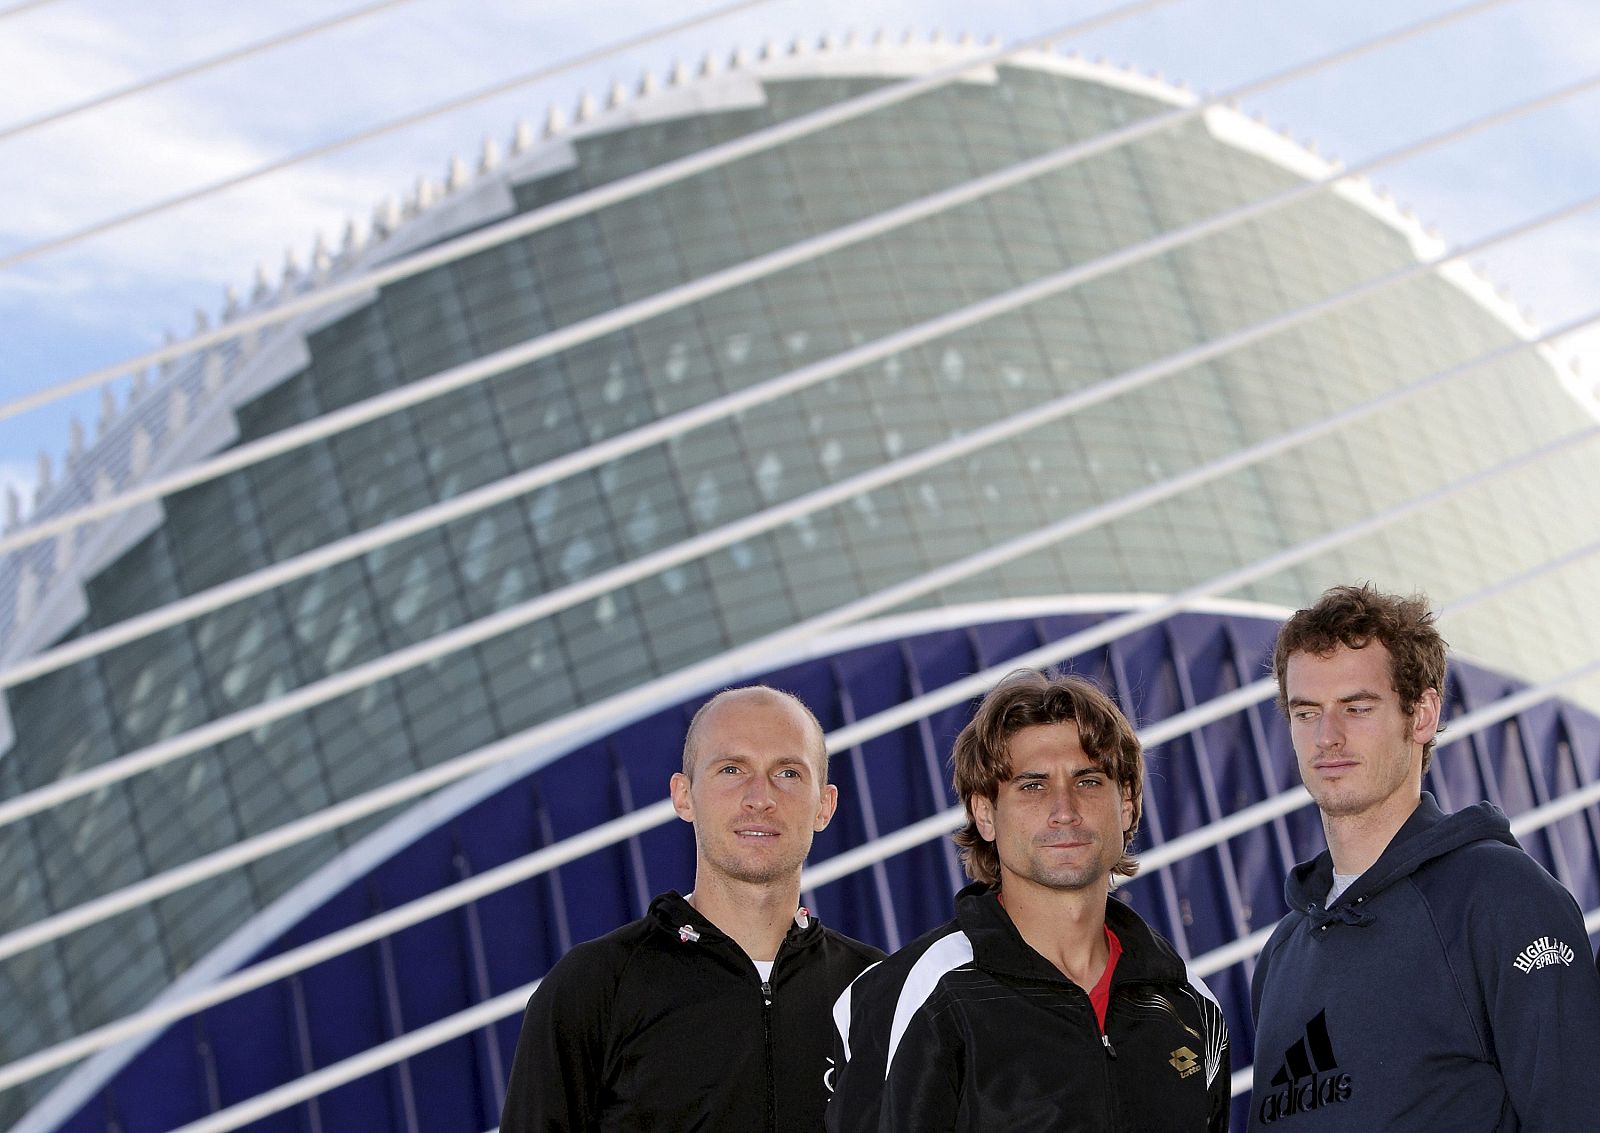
410 592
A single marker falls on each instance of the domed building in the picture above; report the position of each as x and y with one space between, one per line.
659 431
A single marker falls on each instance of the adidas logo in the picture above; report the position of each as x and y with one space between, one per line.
1543 953
1309 1077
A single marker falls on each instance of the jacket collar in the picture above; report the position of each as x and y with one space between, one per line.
671 914
1427 834
998 947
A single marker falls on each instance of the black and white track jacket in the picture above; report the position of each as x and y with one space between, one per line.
968 1028
665 1024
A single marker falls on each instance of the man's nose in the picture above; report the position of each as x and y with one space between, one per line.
1064 808
758 793
1330 733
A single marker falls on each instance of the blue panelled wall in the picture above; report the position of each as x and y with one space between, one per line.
502 941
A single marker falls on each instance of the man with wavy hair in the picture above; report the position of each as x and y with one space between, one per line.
1430 975
1045 1003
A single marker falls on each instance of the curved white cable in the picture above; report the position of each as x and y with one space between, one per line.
676 425
25 6
199 67
582 204
661 813
583 331
656 432
460 102
666 174
470 633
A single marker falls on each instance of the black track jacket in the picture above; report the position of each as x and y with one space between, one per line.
664 1024
968 1028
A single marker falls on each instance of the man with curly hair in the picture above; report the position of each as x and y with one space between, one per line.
1046 1003
1430 974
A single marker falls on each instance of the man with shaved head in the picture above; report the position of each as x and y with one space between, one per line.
711 1011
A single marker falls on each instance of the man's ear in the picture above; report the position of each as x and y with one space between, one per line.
1425 716
983 815
1127 807
825 808
678 785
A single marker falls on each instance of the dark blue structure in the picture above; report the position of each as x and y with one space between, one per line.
447 964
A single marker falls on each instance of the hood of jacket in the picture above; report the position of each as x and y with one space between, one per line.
1429 833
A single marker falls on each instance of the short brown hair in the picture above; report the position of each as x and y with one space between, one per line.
981 759
691 738
1356 616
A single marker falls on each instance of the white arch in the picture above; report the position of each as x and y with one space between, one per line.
720 408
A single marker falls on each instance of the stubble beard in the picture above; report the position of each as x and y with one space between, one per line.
755 869
1072 878
1341 800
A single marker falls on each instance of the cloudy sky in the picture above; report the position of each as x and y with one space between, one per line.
95 301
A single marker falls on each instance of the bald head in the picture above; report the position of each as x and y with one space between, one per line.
753 699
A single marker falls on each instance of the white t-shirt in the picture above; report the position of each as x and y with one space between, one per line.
1341 882
764 969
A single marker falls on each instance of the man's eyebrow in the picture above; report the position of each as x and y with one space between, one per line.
1348 698
1036 776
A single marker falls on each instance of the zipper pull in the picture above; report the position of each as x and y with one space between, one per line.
766 993
1105 1041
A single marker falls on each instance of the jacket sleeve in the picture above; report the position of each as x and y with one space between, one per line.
857 1079
558 1075
1258 979
1219 1094
922 1088
1212 1026
1541 998
918 1089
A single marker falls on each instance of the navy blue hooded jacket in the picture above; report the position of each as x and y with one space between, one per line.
1448 988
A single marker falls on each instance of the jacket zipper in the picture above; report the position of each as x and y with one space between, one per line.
766 1034
1113 1109
768 1038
